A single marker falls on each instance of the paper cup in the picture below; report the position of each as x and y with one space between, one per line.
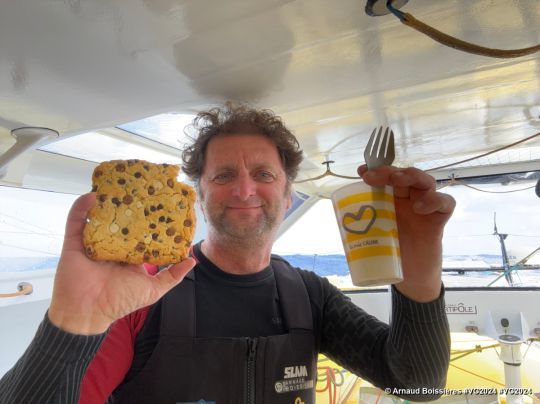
366 219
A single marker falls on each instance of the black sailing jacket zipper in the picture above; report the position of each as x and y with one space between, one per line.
250 382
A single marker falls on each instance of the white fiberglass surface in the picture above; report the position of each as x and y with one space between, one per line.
524 154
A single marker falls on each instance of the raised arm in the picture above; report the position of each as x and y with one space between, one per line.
421 214
87 298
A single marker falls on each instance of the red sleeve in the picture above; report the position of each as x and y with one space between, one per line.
113 359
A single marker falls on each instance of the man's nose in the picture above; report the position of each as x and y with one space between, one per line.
244 187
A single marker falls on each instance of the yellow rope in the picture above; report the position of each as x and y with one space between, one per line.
477 375
458 44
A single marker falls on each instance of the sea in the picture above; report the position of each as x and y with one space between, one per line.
459 270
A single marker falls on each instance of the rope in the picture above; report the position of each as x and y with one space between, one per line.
327 173
477 375
458 44
24 289
478 348
497 192
453 181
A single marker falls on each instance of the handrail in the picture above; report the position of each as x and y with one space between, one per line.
24 288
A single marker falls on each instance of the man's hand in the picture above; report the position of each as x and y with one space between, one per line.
421 214
88 296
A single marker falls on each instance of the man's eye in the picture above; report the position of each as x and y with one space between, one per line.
265 176
223 178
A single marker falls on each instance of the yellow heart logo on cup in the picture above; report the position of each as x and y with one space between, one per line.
356 217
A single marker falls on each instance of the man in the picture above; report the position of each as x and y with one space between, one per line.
243 326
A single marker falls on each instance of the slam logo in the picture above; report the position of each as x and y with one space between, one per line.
294 371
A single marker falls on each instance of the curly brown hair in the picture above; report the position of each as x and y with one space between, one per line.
235 119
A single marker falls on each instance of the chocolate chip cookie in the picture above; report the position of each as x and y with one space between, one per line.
142 214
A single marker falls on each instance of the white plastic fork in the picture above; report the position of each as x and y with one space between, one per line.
380 150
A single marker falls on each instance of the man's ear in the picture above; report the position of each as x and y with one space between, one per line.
200 199
289 200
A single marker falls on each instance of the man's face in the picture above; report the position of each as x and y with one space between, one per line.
243 188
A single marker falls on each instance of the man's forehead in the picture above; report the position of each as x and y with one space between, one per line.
233 150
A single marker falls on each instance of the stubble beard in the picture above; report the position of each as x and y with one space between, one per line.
247 235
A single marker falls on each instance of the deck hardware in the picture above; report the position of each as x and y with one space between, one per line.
23 288
377 8
26 138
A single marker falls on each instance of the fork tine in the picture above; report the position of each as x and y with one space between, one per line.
383 140
391 150
376 147
369 146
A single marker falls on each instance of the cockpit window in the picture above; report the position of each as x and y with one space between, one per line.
167 129
93 146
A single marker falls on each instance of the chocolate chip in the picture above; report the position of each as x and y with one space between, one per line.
170 183
184 192
146 167
169 220
162 218
165 165
120 168
127 199
116 201
160 206
187 223
153 208
132 162
155 236
151 190
140 247
94 188
89 251
125 231
152 225
102 197
121 181
170 231
137 175
98 173
178 239
146 213
155 253
146 256
182 205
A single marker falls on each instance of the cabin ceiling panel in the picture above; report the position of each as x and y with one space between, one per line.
330 70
